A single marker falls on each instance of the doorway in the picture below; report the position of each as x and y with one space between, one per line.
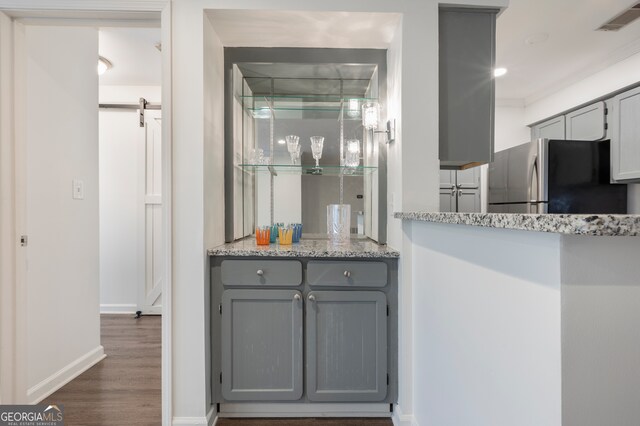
56 294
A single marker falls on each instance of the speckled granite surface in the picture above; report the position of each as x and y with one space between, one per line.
569 224
305 248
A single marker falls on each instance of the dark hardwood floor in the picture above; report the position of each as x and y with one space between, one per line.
304 422
124 388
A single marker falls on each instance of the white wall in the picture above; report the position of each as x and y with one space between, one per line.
60 129
510 127
486 326
121 202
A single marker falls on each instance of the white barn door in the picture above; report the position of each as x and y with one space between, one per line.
151 238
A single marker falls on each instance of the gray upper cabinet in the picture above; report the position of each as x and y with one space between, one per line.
467 88
346 346
447 200
460 190
588 123
550 129
625 135
447 179
468 178
262 345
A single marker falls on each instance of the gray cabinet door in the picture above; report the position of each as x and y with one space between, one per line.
261 345
466 85
346 336
587 123
469 178
550 129
447 178
625 135
447 200
469 201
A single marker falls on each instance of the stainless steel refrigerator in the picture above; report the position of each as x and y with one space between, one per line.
555 176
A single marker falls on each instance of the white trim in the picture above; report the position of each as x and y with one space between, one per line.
7 215
379 410
118 308
63 376
167 208
92 5
190 421
400 419
212 416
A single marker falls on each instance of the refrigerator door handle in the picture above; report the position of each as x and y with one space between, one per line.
533 180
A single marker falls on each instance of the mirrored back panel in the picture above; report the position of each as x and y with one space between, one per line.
295 139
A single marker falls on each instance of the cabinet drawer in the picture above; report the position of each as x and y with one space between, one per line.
349 274
261 272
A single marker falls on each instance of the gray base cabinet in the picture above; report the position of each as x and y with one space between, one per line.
261 345
346 337
303 331
460 190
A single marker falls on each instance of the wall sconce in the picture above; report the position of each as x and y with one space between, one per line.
371 117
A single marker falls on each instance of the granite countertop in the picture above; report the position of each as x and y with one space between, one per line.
568 224
357 248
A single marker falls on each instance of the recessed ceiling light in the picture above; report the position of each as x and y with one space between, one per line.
499 72
281 141
103 65
536 38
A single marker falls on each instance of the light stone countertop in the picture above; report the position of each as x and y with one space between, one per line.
357 248
568 224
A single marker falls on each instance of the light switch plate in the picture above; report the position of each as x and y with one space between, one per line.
78 189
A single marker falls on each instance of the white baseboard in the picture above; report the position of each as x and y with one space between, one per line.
212 416
118 309
63 376
400 419
190 421
252 409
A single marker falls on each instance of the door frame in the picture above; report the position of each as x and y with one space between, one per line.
78 12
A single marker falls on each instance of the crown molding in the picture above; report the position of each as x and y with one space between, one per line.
93 5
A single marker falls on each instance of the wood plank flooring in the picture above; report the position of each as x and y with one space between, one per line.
305 422
124 388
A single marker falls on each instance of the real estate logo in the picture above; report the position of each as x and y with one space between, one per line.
31 415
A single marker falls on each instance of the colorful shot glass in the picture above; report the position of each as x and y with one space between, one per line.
297 232
263 234
285 235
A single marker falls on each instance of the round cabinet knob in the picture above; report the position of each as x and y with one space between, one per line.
347 274
260 272
312 298
296 297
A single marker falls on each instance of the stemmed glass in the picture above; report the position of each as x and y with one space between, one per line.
293 146
317 143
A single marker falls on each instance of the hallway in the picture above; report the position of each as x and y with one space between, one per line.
124 388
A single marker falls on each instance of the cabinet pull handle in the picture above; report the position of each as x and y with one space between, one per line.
260 272
312 298
296 297
347 274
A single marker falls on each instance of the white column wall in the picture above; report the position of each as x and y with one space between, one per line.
418 155
486 326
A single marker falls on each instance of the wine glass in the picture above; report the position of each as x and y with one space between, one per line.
293 146
317 143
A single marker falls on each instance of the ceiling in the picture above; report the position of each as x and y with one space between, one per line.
136 61
572 51
277 28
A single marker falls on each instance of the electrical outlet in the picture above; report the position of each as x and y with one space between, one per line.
78 189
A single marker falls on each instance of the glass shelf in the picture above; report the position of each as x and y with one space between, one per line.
309 169
304 106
